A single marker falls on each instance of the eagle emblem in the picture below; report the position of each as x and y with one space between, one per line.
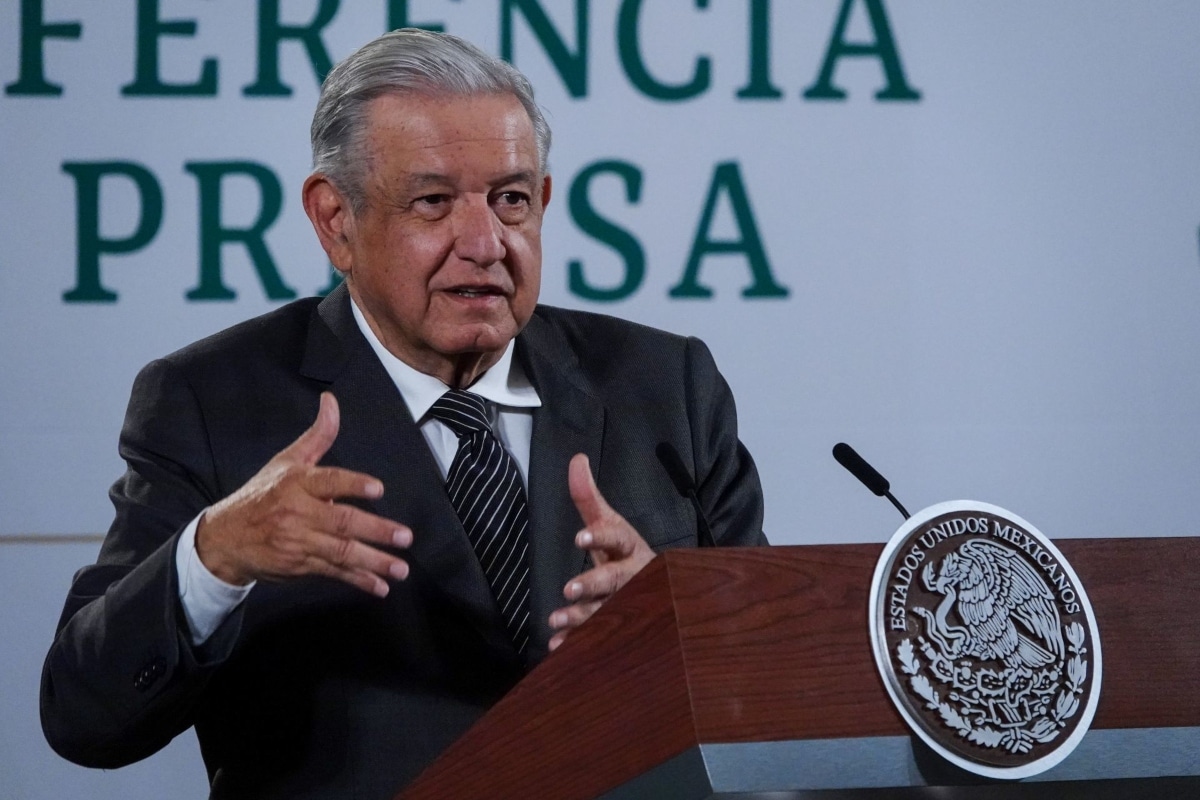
1007 610
985 639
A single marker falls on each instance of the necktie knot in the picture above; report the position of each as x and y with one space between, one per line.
462 412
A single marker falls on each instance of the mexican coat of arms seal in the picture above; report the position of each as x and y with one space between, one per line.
985 639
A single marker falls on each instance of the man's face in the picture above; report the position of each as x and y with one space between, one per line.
444 259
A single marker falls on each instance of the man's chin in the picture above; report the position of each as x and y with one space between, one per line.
480 338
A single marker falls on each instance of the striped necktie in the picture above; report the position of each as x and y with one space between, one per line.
485 488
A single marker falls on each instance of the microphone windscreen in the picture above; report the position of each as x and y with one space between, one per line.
860 469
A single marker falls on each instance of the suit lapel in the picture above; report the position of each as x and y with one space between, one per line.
378 436
569 421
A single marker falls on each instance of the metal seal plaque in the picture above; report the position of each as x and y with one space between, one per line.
985 639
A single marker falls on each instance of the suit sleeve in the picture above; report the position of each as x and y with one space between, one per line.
122 677
727 481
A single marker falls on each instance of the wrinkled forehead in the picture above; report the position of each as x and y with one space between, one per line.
466 141
412 121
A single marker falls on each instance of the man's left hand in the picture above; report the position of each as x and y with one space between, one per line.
617 550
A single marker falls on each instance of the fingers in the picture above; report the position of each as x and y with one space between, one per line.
588 593
316 441
365 581
607 536
284 522
617 550
592 506
358 564
250 538
567 619
347 524
337 541
591 590
599 583
613 541
573 616
330 483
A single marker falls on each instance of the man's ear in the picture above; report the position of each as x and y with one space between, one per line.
332 218
546 183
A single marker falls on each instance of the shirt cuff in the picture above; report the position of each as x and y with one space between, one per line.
207 600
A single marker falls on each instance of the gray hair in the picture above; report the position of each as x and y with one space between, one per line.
405 61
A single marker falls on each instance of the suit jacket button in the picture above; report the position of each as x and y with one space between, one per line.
149 674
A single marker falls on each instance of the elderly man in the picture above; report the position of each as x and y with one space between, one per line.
349 526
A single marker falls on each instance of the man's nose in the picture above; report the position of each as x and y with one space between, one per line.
479 235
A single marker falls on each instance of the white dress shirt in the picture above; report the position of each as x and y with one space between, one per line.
207 600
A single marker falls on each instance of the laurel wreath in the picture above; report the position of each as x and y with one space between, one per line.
1016 737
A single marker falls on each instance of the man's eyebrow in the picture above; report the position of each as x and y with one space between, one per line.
522 176
420 180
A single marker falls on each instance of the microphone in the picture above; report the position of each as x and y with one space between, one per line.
860 469
678 472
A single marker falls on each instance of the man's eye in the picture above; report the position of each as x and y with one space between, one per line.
433 199
513 198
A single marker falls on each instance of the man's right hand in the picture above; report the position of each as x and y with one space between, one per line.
284 522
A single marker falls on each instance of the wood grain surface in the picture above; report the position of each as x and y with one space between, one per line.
611 702
772 644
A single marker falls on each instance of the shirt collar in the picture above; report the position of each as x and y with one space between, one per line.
504 383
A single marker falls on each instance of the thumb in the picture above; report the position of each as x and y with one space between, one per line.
312 445
592 506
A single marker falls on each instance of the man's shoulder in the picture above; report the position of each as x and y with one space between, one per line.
607 355
586 331
273 334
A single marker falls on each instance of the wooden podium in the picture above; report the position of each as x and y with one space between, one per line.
741 672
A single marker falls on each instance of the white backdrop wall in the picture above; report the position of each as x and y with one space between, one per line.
979 265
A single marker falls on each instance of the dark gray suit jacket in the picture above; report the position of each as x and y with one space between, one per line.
313 688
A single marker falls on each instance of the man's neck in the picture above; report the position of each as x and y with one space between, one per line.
458 371
466 368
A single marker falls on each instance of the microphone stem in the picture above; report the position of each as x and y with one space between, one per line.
896 503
